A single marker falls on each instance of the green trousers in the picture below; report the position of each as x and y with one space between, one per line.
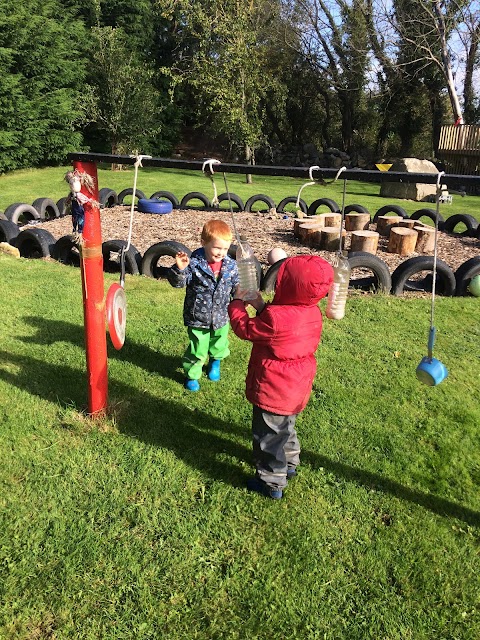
204 343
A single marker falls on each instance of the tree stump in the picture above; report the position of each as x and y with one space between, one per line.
385 223
306 231
329 238
426 239
410 224
333 219
364 241
357 221
402 241
299 221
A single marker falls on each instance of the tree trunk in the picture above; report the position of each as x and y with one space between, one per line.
250 158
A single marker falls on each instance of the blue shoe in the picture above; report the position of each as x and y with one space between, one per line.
213 370
191 385
255 484
291 473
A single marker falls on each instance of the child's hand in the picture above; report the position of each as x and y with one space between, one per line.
257 303
182 260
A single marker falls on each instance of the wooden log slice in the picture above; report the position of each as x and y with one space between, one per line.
364 241
385 223
409 224
306 230
333 219
426 239
357 221
402 241
299 221
330 238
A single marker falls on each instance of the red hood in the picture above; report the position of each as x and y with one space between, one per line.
303 280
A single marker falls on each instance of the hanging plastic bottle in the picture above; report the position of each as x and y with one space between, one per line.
247 269
337 296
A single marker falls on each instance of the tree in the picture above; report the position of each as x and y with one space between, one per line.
221 60
40 106
122 103
331 36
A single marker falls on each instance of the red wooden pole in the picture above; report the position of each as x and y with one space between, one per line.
91 264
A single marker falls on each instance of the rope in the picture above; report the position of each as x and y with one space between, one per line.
211 162
341 170
138 163
434 283
307 184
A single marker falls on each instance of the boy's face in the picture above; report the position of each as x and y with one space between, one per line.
216 249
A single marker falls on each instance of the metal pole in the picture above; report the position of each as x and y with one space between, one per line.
93 296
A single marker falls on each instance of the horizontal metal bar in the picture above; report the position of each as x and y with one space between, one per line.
324 173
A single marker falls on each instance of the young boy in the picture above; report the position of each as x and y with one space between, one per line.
211 278
285 334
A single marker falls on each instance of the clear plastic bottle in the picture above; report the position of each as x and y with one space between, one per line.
337 296
247 269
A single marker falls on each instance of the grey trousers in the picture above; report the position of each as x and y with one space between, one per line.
275 446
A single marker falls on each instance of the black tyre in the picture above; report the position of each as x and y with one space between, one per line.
35 243
129 192
107 198
168 248
468 221
428 213
65 250
402 276
327 202
291 200
167 196
237 202
47 209
356 208
112 249
379 278
465 273
195 195
390 208
21 213
477 233
62 206
8 231
260 197
269 280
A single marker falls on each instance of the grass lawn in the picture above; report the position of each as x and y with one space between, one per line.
138 525
28 184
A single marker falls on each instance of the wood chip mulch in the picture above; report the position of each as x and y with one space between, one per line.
263 231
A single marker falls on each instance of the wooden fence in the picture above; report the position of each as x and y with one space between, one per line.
459 148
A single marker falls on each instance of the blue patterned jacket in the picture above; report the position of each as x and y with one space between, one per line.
206 298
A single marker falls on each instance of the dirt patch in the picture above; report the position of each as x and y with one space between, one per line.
263 231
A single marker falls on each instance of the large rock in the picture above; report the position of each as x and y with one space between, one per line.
410 190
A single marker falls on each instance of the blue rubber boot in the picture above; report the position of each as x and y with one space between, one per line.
191 385
213 370
255 484
291 473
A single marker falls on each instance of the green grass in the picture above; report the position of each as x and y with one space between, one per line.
139 526
28 184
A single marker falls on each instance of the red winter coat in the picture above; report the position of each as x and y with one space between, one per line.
285 336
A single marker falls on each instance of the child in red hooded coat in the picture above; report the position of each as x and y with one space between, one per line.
285 335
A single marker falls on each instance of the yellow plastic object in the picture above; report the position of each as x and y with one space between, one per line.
383 167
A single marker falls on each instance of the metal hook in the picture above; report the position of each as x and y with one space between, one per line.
339 172
210 162
307 184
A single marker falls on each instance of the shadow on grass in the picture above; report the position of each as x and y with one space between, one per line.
51 331
198 438
203 441
370 480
